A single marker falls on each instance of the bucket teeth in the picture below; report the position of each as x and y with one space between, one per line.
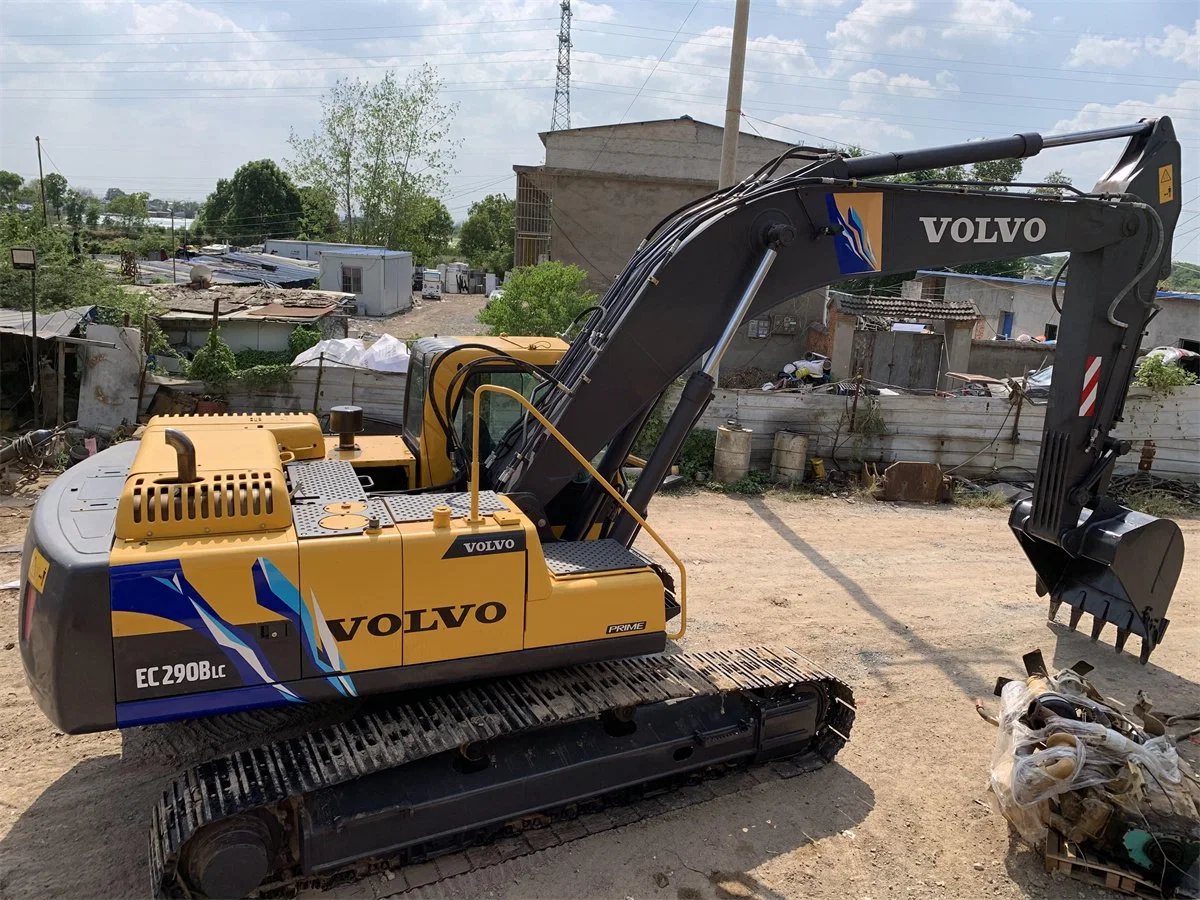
1147 648
1054 605
1097 627
1076 614
1122 637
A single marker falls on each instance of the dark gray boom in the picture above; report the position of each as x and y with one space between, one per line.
728 256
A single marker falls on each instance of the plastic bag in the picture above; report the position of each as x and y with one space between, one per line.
1032 766
336 352
388 354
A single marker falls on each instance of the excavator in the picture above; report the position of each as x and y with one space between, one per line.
468 592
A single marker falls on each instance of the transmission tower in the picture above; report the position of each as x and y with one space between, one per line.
561 117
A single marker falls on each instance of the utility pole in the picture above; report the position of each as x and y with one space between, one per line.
733 97
733 110
560 116
42 183
173 248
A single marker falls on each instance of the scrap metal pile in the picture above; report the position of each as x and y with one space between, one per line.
1108 800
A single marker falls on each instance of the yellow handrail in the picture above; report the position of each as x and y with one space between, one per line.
475 518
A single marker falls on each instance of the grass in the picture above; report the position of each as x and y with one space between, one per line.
1162 504
980 499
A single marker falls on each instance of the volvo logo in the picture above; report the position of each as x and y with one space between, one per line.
485 544
413 621
983 229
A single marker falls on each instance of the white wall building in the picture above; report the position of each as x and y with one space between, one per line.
1011 307
310 250
381 280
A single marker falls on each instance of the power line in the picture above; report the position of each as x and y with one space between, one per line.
649 75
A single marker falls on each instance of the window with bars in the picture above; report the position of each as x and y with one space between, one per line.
352 279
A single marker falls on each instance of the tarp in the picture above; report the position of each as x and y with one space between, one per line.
387 354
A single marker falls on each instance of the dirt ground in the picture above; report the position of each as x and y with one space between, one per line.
918 608
454 314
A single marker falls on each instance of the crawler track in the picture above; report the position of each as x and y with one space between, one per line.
324 805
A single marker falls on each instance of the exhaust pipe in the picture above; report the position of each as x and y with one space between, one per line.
1122 568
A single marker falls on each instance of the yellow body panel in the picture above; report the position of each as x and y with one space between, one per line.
240 486
465 605
585 607
297 433
352 584
221 569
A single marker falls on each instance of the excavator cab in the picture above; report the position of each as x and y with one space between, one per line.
437 402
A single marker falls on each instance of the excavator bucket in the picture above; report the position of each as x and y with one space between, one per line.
1123 570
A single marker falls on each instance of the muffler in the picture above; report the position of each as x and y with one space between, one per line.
1117 564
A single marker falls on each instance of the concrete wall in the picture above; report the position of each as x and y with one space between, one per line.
1032 309
610 185
975 434
772 352
1002 359
675 148
599 220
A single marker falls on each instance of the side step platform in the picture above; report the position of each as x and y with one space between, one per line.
445 770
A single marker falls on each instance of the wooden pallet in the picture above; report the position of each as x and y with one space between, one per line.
1061 857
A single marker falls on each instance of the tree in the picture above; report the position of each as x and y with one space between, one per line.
318 215
91 212
112 194
487 235
74 205
378 145
56 192
420 224
1052 178
10 183
62 280
258 202
538 300
131 209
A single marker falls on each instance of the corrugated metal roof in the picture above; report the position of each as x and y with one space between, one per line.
365 251
236 268
272 269
900 308
1044 282
59 323
200 304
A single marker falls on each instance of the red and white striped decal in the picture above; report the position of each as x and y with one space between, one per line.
1091 386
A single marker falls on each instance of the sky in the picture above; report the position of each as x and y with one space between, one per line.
169 96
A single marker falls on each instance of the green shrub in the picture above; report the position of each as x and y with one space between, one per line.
214 363
302 339
247 359
538 300
1162 377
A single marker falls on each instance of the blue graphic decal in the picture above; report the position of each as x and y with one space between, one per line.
160 589
275 593
855 252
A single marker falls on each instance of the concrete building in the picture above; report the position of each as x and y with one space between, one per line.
308 250
602 188
1011 307
381 280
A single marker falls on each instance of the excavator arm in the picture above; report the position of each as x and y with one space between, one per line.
728 256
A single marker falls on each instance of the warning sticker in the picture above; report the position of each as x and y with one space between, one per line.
1166 184
39 568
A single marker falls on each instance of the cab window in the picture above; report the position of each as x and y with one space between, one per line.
498 412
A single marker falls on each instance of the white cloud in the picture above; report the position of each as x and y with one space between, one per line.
872 87
998 21
1178 44
1101 115
877 25
808 6
1091 50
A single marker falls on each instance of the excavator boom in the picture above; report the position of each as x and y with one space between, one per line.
738 252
